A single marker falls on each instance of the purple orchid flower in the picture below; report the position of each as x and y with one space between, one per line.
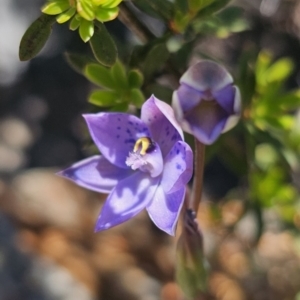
206 103
144 164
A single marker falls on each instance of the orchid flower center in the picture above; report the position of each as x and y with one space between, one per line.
146 156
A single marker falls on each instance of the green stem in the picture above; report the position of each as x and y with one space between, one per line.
198 175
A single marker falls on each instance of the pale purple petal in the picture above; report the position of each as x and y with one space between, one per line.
154 161
95 173
206 75
127 199
188 97
162 124
233 119
115 134
178 167
225 98
179 114
164 210
207 121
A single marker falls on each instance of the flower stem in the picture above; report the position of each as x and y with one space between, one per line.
128 18
198 175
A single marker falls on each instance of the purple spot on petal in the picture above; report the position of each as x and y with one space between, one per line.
174 137
178 166
118 136
128 141
177 151
118 127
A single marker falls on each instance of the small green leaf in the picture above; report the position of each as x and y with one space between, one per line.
103 46
99 75
119 75
56 7
182 6
86 30
66 16
75 22
35 37
212 8
86 9
77 61
135 78
279 70
106 14
111 3
156 8
122 107
155 60
196 5
104 98
137 97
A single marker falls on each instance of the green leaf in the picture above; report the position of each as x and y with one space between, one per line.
182 6
135 78
290 100
103 46
99 75
119 75
212 9
77 61
196 5
111 4
86 30
106 14
155 60
280 70
122 107
75 22
66 16
137 97
86 9
56 7
104 98
156 8
35 37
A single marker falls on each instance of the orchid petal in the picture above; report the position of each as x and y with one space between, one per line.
180 114
207 121
233 119
127 199
188 97
161 121
115 134
95 173
206 75
225 98
178 167
154 161
165 208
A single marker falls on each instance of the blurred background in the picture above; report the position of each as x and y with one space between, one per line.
48 250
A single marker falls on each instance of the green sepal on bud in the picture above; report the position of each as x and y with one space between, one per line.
191 271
